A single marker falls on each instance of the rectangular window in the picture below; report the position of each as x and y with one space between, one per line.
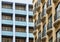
6 39
7 5
30 40
6 17
20 29
49 2
44 30
20 18
20 39
30 19
20 7
7 28
30 30
50 22
30 8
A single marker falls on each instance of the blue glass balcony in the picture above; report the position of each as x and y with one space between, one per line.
31 35
20 23
7 33
31 24
4 10
21 34
10 22
30 13
22 12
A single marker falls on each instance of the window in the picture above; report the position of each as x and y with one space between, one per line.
51 40
20 29
20 18
50 22
30 30
39 36
44 10
57 16
30 40
20 39
39 18
6 39
44 30
30 19
7 28
20 6
30 8
39 1
49 2
58 36
6 17
7 5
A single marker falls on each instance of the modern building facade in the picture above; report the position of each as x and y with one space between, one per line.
16 21
46 20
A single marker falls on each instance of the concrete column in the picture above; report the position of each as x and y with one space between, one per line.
0 20
13 21
27 28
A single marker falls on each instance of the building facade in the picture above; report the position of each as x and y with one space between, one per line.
46 20
16 21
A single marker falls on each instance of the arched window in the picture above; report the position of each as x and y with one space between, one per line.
58 36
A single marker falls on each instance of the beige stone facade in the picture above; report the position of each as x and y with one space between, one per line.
47 20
